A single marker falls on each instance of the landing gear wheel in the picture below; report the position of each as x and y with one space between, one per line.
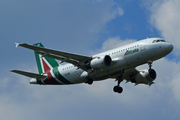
85 80
115 88
118 89
88 80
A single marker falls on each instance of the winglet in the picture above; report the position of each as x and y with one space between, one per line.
17 44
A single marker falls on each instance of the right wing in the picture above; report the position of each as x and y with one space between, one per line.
28 74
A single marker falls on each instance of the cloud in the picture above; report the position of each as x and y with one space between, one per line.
120 11
20 100
45 102
164 16
113 42
67 23
176 87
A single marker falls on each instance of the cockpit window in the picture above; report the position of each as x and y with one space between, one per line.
163 41
154 41
158 41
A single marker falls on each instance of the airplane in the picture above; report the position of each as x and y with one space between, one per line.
119 63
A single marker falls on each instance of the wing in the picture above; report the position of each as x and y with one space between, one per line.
59 55
28 74
130 74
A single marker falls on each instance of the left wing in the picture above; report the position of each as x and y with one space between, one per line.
130 74
59 55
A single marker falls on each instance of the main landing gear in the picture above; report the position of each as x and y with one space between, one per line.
117 88
88 80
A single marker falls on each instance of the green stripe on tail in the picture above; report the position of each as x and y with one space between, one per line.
40 66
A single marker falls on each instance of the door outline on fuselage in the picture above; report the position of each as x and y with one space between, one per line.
142 46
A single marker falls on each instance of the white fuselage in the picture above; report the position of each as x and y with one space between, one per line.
124 59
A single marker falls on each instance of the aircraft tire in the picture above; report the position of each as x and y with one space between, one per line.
85 80
115 88
118 89
88 80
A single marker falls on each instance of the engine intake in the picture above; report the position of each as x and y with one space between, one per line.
101 62
152 74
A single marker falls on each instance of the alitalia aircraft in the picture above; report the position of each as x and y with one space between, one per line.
119 63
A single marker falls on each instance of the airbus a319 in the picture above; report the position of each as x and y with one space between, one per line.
119 63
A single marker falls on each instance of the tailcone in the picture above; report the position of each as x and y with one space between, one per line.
33 81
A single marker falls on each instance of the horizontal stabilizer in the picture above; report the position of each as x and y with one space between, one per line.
28 74
17 44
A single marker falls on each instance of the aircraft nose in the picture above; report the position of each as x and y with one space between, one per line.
169 47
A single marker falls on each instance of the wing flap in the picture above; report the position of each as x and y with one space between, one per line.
28 74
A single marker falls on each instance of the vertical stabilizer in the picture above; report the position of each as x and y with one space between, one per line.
44 63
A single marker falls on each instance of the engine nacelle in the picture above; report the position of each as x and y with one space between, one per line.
101 62
146 77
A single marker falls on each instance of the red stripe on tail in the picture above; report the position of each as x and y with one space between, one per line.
46 67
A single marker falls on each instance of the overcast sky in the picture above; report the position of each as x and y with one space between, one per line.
87 27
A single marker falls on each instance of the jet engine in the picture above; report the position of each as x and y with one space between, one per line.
101 62
145 76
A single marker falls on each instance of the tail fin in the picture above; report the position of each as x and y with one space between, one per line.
44 64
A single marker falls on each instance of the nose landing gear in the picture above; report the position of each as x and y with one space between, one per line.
117 88
150 64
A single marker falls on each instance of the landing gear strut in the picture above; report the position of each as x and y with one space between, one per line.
150 64
117 88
